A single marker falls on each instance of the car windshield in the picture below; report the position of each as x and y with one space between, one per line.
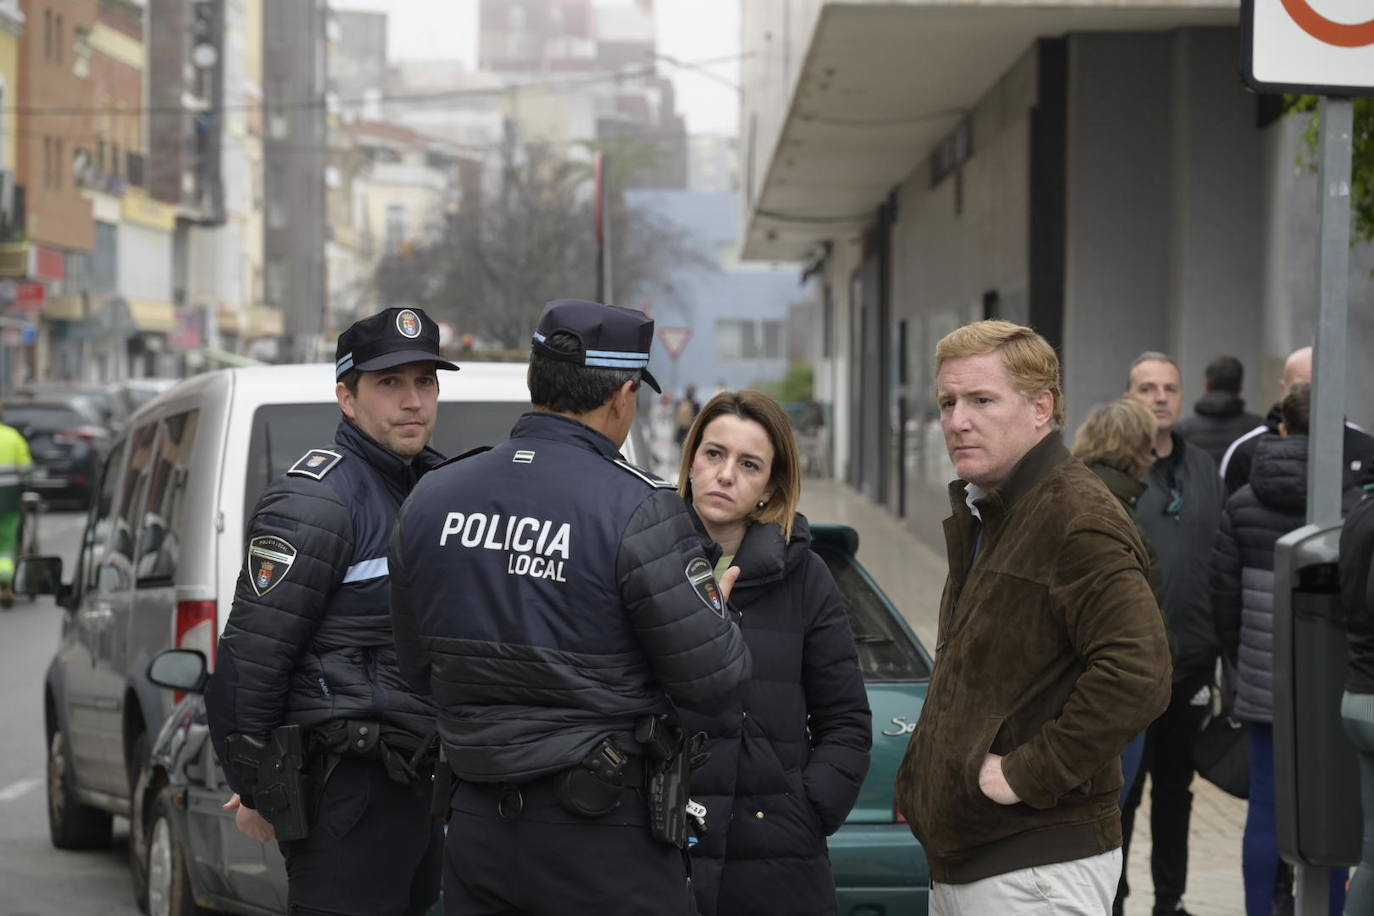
283 433
886 651
137 397
42 418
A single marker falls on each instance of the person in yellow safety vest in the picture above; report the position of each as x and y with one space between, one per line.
16 466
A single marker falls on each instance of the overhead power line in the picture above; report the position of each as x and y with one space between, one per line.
416 97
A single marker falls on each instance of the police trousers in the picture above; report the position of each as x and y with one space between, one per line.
373 850
524 855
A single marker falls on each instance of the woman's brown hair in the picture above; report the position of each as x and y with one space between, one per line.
785 474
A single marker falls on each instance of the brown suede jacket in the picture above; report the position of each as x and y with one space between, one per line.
1051 653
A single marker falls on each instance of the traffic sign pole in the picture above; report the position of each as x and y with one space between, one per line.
1326 444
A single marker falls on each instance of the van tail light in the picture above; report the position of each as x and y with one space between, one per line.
195 629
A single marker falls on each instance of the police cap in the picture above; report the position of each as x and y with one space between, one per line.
612 337
392 337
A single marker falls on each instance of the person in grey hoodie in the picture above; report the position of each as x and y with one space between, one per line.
1272 504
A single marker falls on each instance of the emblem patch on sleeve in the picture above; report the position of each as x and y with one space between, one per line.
703 582
269 560
315 463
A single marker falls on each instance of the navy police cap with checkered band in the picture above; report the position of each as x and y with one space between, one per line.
612 337
392 337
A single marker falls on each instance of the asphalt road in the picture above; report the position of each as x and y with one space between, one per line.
35 878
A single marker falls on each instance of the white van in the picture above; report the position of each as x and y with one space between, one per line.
161 554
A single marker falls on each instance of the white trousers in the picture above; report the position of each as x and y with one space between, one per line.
1082 887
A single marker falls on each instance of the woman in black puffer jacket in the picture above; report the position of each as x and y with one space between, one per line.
786 762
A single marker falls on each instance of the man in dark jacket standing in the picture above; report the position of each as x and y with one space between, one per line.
1180 511
560 604
1219 416
1272 504
1051 654
1358 453
308 642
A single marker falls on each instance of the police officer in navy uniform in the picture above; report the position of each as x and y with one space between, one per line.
308 641
555 598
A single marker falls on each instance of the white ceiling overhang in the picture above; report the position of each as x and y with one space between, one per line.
883 83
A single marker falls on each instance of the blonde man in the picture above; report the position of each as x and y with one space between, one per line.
1051 655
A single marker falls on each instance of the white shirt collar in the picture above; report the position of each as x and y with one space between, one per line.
972 492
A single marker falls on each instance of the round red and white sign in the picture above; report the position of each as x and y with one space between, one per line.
1321 46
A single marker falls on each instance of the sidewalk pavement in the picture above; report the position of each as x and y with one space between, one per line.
913 574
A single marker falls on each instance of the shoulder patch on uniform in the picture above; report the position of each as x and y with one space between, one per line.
703 581
315 463
269 560
456 458
643 475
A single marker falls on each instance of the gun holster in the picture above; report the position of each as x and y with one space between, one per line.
278 764
673 817
441 797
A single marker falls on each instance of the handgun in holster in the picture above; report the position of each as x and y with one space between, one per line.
441 798
670 755
278 764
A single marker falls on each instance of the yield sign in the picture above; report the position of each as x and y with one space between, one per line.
674 340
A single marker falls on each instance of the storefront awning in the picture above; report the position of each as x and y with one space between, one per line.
153 317
883 83
227 359
65 308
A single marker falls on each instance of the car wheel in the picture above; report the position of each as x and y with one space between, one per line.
169 886
138 836
71 825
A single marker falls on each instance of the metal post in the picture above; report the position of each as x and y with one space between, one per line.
1327 440
1326 443
607 292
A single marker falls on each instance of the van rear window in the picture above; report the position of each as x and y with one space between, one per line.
283 433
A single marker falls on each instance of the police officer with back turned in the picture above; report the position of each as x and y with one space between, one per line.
329 750
560 604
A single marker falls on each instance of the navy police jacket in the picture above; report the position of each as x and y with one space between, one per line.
309 636
550 594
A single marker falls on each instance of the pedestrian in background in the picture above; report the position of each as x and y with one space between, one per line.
686 412
1358 448
1051 655
309 642
1357 703
787 761
560 604
1180 511
16 468
1272 504
1219 416
1116 442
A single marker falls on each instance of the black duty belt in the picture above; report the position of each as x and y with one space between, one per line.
409 759
570 795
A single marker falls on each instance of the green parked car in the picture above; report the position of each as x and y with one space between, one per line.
880 868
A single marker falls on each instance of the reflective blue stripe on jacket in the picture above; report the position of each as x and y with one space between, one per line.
317 644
